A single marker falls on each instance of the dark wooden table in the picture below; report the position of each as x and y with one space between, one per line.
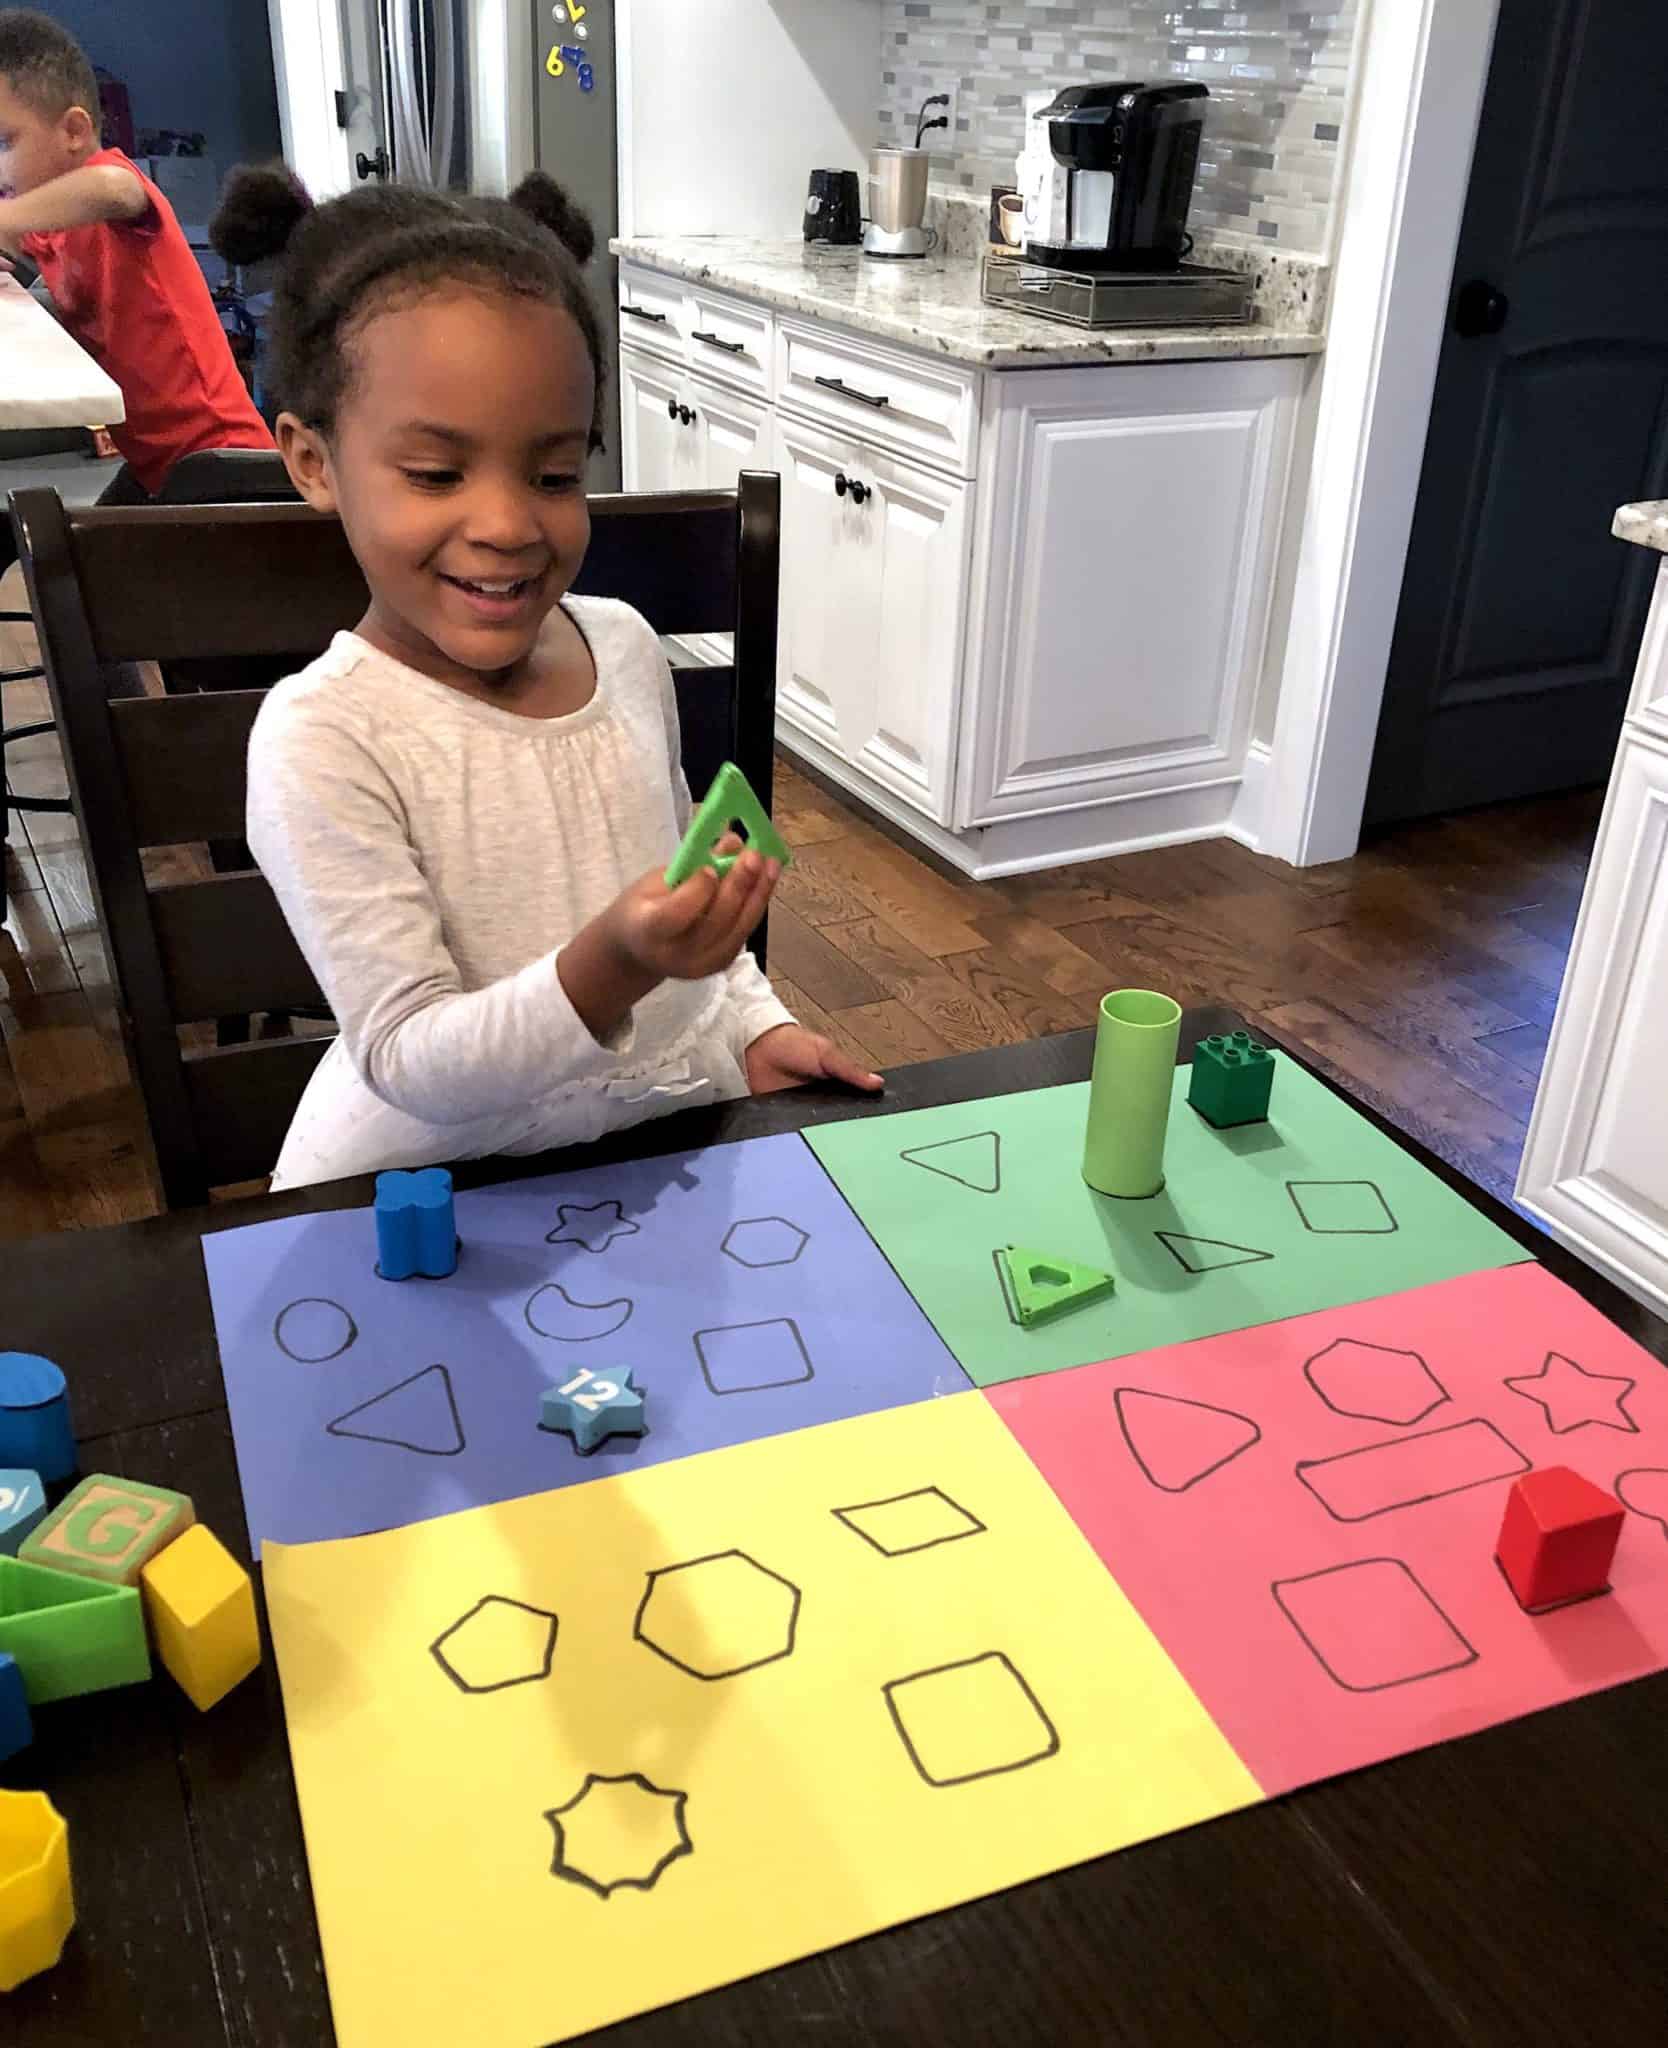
1509 1888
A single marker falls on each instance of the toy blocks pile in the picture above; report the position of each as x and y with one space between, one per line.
87 1589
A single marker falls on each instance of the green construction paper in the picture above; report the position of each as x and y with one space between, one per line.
1385 1225
730 797
1040 1286
1129 1092
70 1635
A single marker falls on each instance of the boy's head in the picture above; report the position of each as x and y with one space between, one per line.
48 102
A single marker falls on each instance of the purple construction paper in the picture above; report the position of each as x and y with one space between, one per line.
736 1284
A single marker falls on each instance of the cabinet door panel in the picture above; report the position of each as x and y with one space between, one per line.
733 434
656 449
913 534
825 679
1596 1164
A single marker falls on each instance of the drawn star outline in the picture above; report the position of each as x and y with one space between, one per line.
1574 1398
594 1226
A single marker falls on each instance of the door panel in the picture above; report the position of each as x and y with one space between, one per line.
658 450
829 617
733 434
1519 616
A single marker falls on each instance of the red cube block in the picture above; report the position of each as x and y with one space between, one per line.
1558 1538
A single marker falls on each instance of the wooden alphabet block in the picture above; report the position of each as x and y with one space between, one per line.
108 1529
201 1608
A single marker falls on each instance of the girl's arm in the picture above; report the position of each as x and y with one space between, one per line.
328 829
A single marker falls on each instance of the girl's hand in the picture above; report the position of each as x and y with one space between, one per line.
697 928
790 1054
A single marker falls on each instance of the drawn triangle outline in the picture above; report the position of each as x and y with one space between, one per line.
992 1185
1244 1254
418 1409
1210 1417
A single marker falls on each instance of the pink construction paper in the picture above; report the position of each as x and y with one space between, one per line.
1319 1643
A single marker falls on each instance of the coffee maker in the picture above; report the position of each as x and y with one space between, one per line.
1107 175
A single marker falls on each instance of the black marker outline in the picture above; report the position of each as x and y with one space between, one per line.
1182 1401
399 1443
845 1514
1305 1466
689 1564
498 1684
1393 1226
760 1265
682 1847
622 1226
1387 1684
1626 1427
1389 1351
991 1770
595 1336
912 1156
1634 1472
1252 1256
322 1357
762 1386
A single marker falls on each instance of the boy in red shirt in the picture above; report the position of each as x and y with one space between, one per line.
120 271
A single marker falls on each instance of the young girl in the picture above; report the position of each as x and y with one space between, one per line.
466 806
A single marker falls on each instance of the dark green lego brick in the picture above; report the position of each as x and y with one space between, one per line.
1232 1078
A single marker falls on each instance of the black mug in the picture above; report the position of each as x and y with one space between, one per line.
834 208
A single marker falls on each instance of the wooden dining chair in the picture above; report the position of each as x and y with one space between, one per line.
189 583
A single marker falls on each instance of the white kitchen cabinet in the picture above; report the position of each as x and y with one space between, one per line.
1595 1168
681 432
874 565
1130 524
732 433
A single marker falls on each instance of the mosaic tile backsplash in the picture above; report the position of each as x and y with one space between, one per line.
1278 74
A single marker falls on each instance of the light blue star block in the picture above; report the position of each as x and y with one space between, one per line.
22 1504
416 1229
589 1406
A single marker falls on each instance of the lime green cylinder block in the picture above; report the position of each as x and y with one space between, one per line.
1129 1092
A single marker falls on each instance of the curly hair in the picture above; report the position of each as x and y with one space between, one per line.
373 247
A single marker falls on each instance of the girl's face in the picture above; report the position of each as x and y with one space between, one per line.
458 468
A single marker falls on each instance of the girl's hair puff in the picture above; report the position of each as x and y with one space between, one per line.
380 244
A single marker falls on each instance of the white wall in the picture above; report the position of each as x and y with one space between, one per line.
727 107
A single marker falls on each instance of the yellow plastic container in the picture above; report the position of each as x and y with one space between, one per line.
37 1906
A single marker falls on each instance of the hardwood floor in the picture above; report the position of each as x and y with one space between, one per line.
1423 973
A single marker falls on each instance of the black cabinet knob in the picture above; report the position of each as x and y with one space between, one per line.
840 485
671 408
1480 308
686 415
377 166
859 493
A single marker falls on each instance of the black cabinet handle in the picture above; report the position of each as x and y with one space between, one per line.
840 485
730 348
843 483
846 391
687 416
671 408
859 492
1480 308
377 166
642 313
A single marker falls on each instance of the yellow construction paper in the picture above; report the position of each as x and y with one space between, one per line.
966 1701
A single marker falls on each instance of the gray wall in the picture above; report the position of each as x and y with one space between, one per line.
188 64
1278 72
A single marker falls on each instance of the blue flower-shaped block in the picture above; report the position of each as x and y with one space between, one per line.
589 1406
416 1229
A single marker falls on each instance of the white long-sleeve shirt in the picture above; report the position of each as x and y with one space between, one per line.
432 854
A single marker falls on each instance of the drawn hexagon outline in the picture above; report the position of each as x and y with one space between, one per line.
761 1225
541 1644
560 1865
689 1669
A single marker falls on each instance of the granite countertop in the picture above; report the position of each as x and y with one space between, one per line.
933 304
1647 524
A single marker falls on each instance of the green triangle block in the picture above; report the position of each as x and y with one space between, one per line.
70 1635
1039 1286
730 798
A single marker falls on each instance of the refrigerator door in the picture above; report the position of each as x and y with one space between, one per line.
574 140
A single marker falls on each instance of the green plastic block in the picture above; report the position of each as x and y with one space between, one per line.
1039 1286
70 1635
1232 1078
730 799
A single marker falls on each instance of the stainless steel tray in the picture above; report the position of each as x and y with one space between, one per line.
1189 297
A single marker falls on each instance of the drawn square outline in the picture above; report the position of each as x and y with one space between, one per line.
1384 1229
1050 1746
1468 1649
974 1526
756 1386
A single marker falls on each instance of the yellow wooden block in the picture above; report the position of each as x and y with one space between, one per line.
37 1907
201 1608
108 1528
